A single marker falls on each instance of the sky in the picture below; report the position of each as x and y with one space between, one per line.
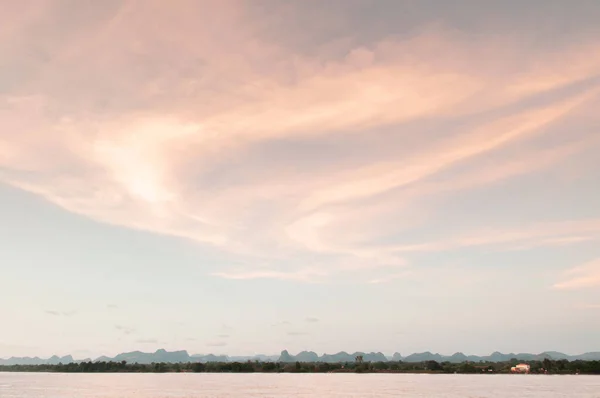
244 177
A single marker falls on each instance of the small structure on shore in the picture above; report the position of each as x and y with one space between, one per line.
521 368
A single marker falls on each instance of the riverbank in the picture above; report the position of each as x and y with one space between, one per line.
429 367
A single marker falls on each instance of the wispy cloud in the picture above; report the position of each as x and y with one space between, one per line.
378 178
61 313
526 236
305 163
584 276
125 330
147 341
296 334
305 275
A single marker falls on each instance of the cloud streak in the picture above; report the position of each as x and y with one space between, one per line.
527 236
584 276
297 334
61 313
125 330
303 275
147 341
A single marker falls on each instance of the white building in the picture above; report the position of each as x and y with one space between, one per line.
521 368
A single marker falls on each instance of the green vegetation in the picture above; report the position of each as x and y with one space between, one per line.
537 367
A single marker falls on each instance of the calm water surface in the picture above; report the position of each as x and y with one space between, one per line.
40 385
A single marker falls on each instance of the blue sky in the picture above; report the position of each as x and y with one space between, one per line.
355 175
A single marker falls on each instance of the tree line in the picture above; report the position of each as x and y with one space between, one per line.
546 366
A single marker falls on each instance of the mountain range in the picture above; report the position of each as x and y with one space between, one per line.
310 356
496 357
304 356
54 360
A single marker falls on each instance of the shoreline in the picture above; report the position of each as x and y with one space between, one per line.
302 373
546 367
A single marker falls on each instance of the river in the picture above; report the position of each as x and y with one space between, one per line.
44 385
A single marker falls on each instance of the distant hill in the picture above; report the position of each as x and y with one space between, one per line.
304 356
147 358
588 356
309 356
182 356
209 358
422 357
498 357
458 357
54 360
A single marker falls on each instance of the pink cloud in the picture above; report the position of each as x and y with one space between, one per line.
526 236
132 106
374 179
581 277
302 275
